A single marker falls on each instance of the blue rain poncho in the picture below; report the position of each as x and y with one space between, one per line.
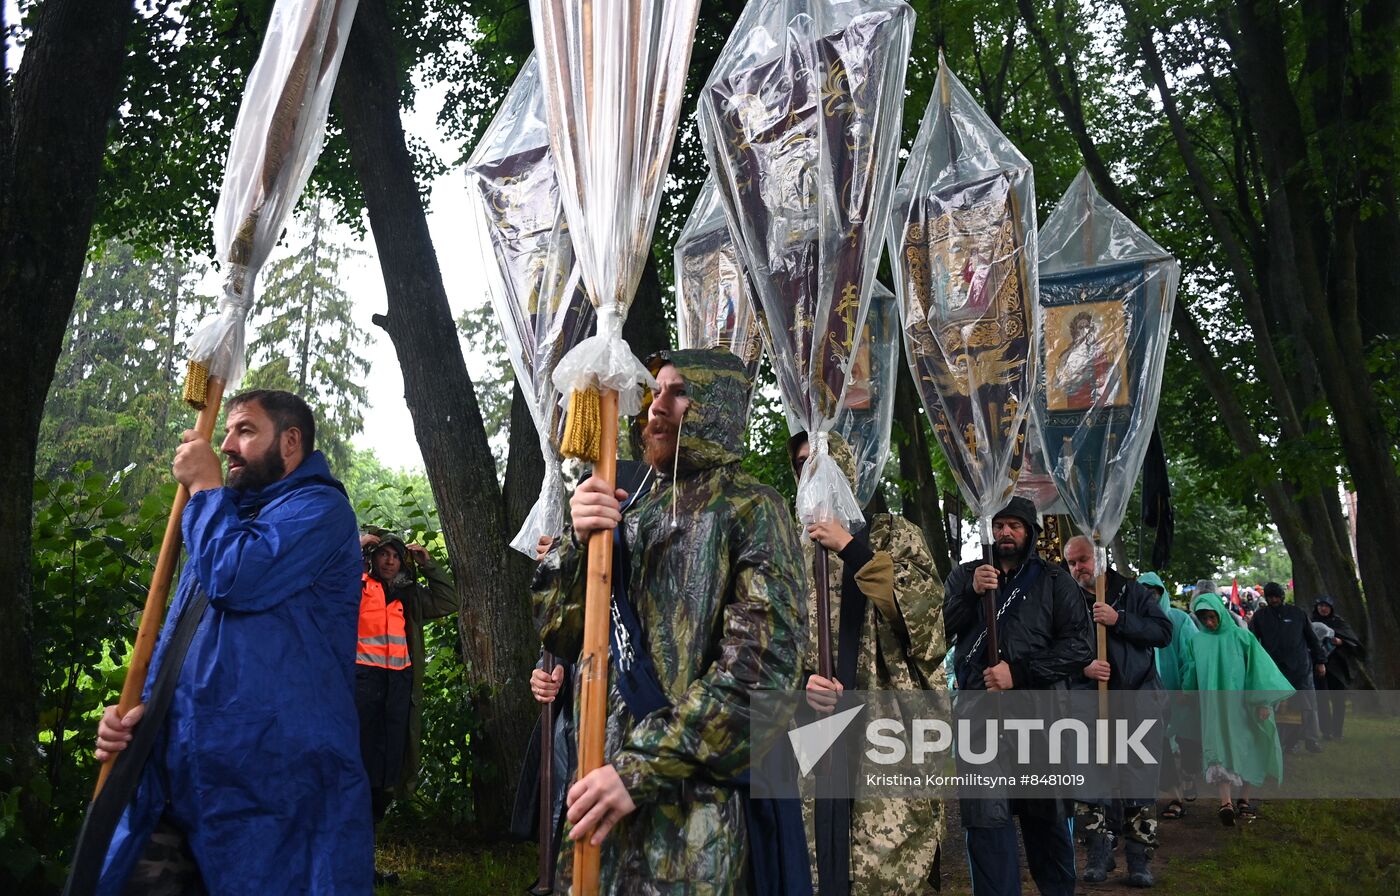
258 761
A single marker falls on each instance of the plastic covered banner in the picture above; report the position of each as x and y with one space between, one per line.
276 141
530 273
963 243
801 123
1106 294
868 409
1036 481
715 301
613 75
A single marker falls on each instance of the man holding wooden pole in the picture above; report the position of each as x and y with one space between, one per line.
1136 627
254 781
708 592
1045 641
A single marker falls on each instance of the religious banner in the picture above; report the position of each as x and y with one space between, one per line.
1106 294
528 260
868 411
800 119
715 301
962 239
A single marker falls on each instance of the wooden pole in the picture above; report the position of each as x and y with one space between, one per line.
825 665
989 611
593 662
159 594
545 883
1101 596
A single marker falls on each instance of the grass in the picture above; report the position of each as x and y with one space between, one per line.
1302 848
436 863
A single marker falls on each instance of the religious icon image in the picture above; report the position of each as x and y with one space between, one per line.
858 386
1086 357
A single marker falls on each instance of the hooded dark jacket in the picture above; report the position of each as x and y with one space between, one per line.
1046 643
1343 665
258 761
718 584
1132 640
1287 636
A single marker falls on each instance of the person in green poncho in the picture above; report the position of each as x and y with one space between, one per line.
1182 734
1239 739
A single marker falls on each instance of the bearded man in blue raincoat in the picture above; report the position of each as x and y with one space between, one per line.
254 784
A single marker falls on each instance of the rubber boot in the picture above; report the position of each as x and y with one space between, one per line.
1138 856
1100 857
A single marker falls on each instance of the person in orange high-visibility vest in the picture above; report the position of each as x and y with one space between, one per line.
390 657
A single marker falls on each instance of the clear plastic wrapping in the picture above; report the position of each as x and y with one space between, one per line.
962 241
800 119
613 76
530 273
1036 481
714 296
1106 295
276 141
868 409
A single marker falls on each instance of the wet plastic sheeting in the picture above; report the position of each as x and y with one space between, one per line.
715 299
613 76
1106 294
269 161
962 241
800 119
868 409
531 277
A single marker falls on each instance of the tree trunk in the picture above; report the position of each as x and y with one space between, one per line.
921 505
53 131
1313 235
494 622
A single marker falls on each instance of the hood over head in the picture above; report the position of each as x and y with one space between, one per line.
1209 600
712 433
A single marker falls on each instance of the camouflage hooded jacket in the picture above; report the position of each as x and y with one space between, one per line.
894 843
718 584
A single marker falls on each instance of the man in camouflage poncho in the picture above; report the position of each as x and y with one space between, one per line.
717 583
900 647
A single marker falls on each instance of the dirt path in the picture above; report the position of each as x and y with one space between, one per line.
1184 842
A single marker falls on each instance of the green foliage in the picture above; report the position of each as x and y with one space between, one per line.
91 556
305 338
114 399
398 500
450 724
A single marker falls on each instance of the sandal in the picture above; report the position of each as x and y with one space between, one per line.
1246 811
1174 810
1226 813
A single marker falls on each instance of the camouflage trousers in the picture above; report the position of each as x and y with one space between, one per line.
1128 819
167 867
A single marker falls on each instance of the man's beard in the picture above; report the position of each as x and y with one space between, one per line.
258 472
1089 582
1015 555
659 444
